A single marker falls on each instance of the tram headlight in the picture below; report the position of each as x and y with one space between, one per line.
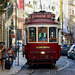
43 52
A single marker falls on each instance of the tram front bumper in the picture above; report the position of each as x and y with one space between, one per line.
42 58
43 55
42 61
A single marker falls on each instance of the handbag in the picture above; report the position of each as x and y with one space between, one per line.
0 54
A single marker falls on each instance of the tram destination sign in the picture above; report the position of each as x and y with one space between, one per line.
42 15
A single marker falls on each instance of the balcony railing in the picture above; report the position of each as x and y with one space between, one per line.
2 1
10 10
3 4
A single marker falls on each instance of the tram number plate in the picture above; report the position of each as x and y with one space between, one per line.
44 56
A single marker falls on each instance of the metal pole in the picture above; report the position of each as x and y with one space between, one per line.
18 47
16 14
18 31
7 37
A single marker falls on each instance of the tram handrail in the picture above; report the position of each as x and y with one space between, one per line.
53 39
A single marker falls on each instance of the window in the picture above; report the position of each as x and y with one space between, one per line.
42 34
32 34
52 35
29 2
65 45
72 11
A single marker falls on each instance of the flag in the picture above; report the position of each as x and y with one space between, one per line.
20 4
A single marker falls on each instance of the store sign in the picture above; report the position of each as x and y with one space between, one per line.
19 34
13 35
39 16
20 4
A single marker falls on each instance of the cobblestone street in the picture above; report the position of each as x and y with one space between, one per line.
64 66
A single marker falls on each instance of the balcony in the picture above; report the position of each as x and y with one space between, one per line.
10 10
72 2
29 5
3 4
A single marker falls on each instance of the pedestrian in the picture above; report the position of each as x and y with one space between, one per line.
3 56
13 48
11 53
0 52
23 49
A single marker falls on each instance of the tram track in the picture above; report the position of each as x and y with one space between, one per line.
49 72
32 72
37 70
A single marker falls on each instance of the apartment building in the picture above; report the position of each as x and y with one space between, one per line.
6 11
71 20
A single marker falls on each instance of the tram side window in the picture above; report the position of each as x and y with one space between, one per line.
42 31
32 34
52 35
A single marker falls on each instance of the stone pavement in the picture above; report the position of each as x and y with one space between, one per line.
14 68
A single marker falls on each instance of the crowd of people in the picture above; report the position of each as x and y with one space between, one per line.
4 53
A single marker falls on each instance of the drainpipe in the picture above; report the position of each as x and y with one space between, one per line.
2 30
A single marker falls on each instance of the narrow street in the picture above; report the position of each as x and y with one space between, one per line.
37 31
64 66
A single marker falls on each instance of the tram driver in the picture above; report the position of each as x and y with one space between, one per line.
42 38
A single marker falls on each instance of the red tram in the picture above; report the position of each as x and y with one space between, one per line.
42 38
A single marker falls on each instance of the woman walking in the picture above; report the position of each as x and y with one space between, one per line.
11 53
3 56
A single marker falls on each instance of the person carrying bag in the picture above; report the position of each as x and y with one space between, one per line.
9 58
11 53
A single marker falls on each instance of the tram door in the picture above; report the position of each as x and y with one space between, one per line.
26 36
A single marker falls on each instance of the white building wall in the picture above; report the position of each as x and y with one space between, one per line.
46 6
65 15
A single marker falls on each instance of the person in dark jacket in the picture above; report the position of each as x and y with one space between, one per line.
3 56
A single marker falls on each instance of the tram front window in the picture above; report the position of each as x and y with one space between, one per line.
32 34
52 35
42 33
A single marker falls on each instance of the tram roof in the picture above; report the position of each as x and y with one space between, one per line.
42 21
42 17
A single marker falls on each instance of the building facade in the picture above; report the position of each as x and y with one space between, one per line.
19 22
6 10
71 20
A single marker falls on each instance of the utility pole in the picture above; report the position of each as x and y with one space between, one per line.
15 30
